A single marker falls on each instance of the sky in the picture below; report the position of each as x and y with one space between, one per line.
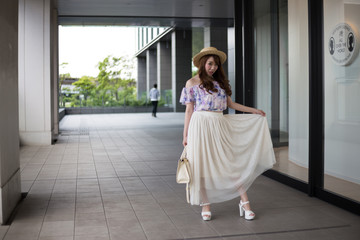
83 47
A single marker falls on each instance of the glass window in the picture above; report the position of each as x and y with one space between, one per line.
342 97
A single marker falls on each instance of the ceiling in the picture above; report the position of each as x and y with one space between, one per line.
194 13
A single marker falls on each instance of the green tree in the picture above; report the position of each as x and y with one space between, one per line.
85 85
62 77
115 78
65 96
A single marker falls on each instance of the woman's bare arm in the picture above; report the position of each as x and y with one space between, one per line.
188 113
243 108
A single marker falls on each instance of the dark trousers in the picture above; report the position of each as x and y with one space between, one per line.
154 103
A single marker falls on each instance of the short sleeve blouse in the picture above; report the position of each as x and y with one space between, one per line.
203 100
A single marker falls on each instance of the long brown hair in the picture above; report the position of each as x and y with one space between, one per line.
219 76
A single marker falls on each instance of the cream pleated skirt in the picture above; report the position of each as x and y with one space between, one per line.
226 154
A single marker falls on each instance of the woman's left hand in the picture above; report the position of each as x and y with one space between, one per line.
260 112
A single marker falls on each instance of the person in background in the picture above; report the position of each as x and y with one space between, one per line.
154 97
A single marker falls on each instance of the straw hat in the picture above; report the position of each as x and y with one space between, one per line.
209 51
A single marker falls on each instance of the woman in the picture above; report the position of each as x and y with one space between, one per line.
226 152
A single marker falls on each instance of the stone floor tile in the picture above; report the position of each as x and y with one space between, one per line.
338 213
88 194
26 185
113 215
60 214
240 237
314 234
57 238
20 236
28 227
62 203
90 209
90 237
90 216
57 228
164 234
91 230
226 224
349 233
152 220
133 232
192 226
3 231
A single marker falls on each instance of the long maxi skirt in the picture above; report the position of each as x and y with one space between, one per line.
226 154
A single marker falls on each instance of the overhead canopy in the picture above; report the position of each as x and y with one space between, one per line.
180 13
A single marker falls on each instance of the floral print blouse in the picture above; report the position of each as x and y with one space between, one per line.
204 101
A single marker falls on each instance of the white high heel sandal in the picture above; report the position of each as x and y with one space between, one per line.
206 216
249 215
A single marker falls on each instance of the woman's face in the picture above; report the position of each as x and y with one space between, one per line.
210 66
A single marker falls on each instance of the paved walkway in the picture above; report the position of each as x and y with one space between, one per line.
113 177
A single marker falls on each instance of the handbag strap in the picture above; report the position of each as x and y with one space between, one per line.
183 155
187 193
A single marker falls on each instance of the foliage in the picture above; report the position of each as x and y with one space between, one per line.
65 96
85 85
62 78
113 86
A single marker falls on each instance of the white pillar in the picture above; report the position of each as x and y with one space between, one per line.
35 100
10 188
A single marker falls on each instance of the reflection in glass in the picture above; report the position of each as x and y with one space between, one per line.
342 111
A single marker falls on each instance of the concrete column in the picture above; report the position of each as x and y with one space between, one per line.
10 188
217 37
141 77
35 76
164 68
181 51
151 69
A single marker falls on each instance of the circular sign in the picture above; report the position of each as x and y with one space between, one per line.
342 44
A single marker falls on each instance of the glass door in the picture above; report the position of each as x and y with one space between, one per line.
281 80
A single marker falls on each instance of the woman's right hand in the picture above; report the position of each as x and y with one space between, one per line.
260 112
184 141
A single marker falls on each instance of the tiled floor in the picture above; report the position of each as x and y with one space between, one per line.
113 177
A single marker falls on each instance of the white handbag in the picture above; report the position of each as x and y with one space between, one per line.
183 173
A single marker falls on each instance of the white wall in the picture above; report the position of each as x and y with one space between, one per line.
35 73
10 189
298 82
342 98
